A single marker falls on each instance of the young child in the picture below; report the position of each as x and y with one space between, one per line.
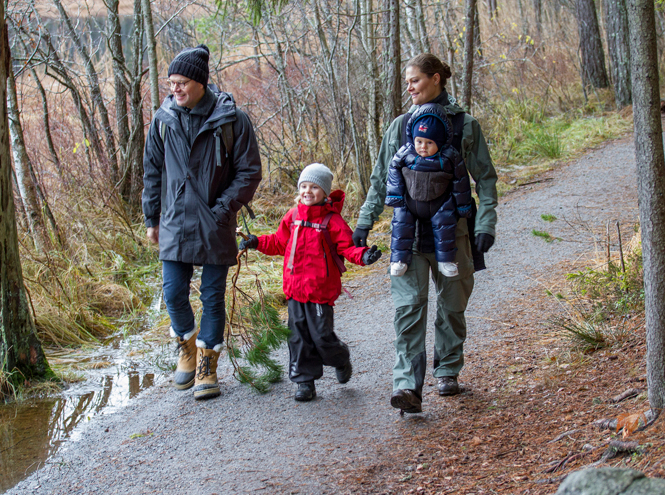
310 236
427 181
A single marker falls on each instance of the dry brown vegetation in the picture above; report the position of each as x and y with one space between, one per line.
531 400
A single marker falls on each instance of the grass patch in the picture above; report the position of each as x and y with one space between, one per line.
548 217
544 235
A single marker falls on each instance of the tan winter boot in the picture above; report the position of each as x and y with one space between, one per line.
206 386
186 369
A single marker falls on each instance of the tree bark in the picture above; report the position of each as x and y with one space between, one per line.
618 48
121 117
152 54
538 14
27 187
21 353
650 186
593 55
110 157
368 38
135 153
467 72
394 62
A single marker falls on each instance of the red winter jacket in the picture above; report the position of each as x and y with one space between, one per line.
315 276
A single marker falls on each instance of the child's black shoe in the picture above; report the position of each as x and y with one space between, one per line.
306 392
344 372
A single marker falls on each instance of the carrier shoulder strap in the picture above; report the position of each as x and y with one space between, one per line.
458 130
323 227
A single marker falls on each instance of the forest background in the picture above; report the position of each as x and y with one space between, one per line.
318 80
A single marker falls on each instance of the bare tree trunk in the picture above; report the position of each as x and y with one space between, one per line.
20 348
135 153
422 25
96 92
593 55
152 54
650 185
523 18
410 30
47 124
492 9
618 48
467 74
22 166
368 38
477 42
121 117
538 13
394 62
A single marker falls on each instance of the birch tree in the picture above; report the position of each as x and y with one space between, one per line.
21 354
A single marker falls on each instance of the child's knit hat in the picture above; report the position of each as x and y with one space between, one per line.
319 174
430 127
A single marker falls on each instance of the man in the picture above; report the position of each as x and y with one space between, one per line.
193 188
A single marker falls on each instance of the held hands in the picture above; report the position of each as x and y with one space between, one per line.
252 242
484 242
372 255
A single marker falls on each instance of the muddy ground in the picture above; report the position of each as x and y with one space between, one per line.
519 392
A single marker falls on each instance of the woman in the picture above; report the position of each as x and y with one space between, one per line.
426 77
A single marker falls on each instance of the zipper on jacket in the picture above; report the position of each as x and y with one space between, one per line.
325 258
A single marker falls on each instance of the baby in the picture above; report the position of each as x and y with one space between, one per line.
427 181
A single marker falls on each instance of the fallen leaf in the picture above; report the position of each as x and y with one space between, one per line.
631 423
476 441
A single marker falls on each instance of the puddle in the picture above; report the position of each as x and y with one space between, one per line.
33 430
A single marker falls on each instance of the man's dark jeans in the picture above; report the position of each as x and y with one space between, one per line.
177 277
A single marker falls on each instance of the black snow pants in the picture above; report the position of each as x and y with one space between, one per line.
313 342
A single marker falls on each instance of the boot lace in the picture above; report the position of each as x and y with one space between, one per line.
204 367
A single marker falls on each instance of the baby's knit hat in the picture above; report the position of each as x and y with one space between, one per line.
319 174
192 63
430 127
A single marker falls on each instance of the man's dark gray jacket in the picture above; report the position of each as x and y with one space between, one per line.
186 192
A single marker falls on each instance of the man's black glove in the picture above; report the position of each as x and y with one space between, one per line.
252 242
360 236
372 255
484 242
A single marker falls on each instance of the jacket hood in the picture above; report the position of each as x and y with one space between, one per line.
445 100
224 109
430 110
334 203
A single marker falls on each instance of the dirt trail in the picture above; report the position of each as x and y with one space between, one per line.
243 442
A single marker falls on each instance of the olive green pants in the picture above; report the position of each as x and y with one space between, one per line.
410 297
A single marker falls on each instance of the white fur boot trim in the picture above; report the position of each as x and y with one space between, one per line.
201 344
187 336
218 348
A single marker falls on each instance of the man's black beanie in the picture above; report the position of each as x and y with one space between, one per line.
192 63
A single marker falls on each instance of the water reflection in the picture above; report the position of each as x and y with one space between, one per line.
32 431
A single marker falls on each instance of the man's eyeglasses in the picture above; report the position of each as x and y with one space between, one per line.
179 85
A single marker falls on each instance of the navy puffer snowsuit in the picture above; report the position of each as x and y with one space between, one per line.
436 187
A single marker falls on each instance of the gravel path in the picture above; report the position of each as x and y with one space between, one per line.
243 442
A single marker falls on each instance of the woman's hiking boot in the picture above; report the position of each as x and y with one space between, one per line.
206 385
448 385
406 401
306 392
186 369
344 372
